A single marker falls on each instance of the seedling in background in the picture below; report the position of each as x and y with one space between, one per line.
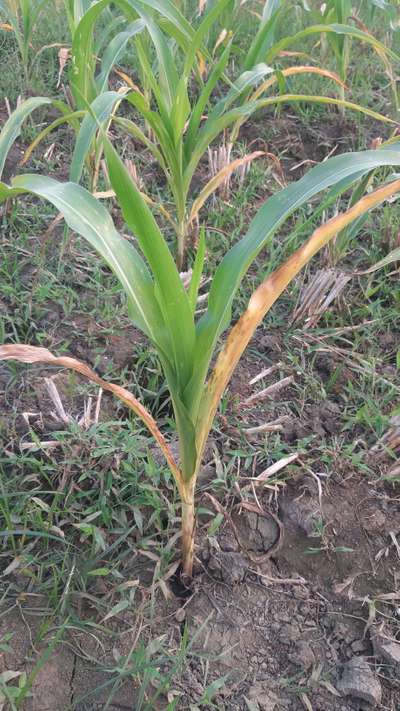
164 311
183 122
338 13
21 18
94 54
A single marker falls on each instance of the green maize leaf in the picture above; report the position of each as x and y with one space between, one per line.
343 10
201 32
201 104
184 425
186 432
26 9
169 159
346 30
149 76
168 11
246 81
79 8
269 9
177 28
12 127
180 38
102 38
393 256
180 110
173 299
162 134
100 111
83 61
269 218
265 36
114 51
213 127
167 72
6 193
86 216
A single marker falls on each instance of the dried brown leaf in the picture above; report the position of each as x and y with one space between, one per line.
33 354
219 179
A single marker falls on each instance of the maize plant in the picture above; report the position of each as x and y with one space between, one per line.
337 13
161 307
21 17
75 10
94 55
90 67
184 123
102 50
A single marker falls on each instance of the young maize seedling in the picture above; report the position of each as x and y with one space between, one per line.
338 13
183 122
165 311
21 18
184 125
94 55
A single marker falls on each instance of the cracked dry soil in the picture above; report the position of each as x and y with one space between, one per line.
280 633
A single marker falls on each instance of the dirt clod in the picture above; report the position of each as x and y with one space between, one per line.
303 655
229 567
386 649
359 680
262 697
300 514
359 645
261 531
52 684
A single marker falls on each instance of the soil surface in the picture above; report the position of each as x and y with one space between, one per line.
278 608
295 604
